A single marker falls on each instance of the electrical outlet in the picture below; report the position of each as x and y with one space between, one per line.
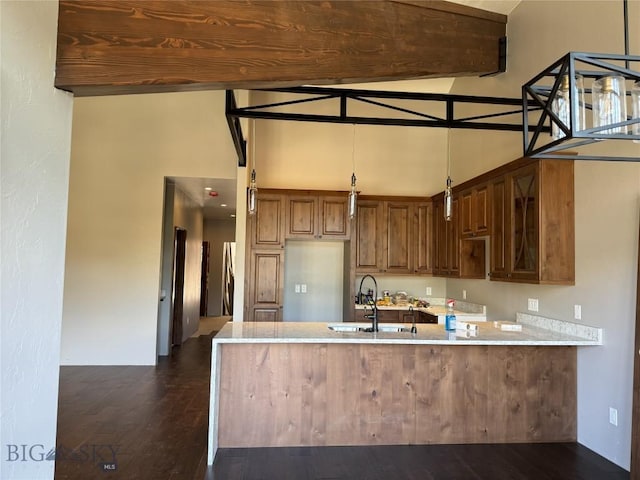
533 304
613 416
577 312
303 288
296 288
464 294
428 291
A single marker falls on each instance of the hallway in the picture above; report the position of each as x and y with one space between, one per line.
150 423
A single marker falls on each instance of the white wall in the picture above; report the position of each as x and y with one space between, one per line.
34 165
388 160
122 149
216 232
606 205
319 266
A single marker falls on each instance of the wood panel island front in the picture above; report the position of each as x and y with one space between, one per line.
302 384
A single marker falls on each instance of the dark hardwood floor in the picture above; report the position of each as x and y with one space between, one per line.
151 423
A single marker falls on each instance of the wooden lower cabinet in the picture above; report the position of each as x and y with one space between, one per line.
396 316
265 286
297 394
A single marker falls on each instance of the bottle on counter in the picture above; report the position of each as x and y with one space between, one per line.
450 318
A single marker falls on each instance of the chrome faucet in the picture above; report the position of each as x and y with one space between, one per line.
374 314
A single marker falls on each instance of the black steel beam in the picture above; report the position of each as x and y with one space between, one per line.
235 128
445 102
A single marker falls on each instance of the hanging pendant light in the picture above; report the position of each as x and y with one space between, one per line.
252 194
353 195
635 109
561 106
609 103
448 194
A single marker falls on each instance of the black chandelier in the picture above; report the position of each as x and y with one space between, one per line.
579 115
585 98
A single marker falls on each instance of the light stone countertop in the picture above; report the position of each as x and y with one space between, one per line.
428 334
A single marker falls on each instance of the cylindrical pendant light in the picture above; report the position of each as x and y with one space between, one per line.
635 108
609 103
252 194
448 194
353 195
561 106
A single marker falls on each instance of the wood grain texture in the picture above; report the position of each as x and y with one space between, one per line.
306 395
133 46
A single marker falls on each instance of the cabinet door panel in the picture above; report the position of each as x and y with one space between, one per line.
266 315
467 223
334 218
453 239
498 229
301 218
388 316
398 253
368 253
267 276
481 210
524 230
424 239
437 226
268 222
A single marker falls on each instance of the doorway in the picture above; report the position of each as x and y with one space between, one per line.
177 296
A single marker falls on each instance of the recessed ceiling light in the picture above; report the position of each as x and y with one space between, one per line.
233 215
223 204
208 189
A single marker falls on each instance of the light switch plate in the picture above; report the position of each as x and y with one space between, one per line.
613 416
533 305
577 312
303 288
428 291
297 288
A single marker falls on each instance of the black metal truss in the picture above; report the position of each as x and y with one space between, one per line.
537 96
380 99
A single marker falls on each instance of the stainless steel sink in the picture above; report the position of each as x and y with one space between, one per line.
362 327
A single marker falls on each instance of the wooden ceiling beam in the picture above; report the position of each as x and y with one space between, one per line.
115 47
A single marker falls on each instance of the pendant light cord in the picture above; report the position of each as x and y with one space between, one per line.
253 144
353 150
449 153
625 14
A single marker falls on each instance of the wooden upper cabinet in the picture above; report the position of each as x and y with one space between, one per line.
267 225
394 235
446 254
533 224
423 238
368 236
474 212
302 214
333 218
498 241
398 241
317 216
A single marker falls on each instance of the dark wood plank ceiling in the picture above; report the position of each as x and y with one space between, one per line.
116 47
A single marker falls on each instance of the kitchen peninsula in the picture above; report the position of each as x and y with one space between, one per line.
301 384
